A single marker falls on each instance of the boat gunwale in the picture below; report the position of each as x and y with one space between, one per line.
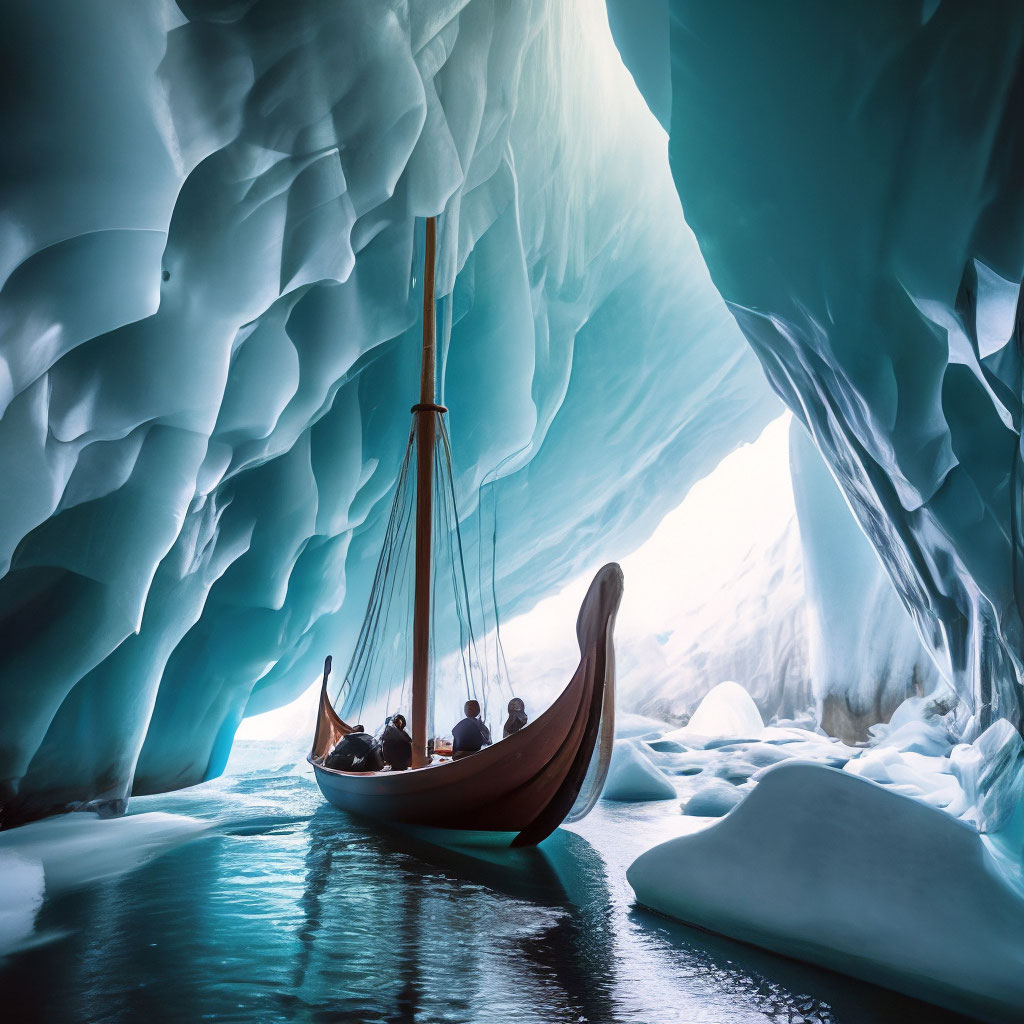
493 754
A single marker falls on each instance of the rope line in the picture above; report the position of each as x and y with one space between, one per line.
378 676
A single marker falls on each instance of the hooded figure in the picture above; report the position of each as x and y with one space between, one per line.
516 717
397 744
358 751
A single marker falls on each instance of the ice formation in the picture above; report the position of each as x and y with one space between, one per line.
73 850
633 777
209 310
714 799
727 710
823 866
863 220
865 655
208 300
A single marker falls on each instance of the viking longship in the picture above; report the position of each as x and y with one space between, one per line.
520 789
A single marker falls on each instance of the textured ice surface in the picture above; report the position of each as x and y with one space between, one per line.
863 219
864 652
819 865
633 777
209 344
991 773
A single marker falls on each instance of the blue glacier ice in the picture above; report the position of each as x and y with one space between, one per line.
209 263
210 336
633 776
859 208
660 222
865 654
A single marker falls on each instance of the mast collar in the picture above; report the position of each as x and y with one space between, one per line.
428 407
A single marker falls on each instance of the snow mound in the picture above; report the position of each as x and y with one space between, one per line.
633 777
826 867
990 772
21 896
79 848
727 712
714 800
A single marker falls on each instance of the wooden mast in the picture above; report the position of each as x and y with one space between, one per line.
424 412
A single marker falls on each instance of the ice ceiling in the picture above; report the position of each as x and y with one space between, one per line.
209 330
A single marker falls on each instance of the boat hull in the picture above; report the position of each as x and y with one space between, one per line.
524 786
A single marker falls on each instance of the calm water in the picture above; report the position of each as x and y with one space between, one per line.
288 910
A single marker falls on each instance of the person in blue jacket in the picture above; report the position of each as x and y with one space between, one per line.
470 735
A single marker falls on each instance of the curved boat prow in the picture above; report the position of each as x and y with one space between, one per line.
584 782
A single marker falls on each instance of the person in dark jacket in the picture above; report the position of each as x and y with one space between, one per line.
516 717
396 745
470 734
357 751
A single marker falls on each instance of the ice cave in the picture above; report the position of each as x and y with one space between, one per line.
639 382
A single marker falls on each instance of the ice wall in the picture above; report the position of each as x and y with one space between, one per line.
852 174
209 344
864 651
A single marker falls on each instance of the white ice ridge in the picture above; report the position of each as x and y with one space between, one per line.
209 282
826 867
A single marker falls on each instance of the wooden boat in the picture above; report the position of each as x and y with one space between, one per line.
520 789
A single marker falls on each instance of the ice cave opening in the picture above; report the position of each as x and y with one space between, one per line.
730 294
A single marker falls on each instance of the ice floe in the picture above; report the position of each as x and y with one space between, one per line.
633 777
821 865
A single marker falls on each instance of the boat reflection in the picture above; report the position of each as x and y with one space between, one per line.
445 931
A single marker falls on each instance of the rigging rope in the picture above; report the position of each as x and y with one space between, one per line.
377 679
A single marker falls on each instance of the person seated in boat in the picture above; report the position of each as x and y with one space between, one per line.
516 717
396 745
470 734
357 751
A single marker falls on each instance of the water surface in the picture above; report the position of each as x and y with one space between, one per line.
289 910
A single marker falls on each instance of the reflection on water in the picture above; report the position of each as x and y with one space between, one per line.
292 911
